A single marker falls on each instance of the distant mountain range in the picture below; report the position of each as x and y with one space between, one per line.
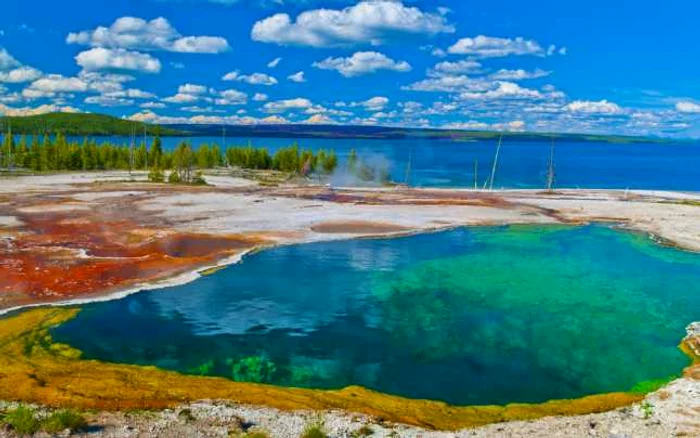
86 124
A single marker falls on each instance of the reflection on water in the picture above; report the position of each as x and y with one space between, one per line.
470 316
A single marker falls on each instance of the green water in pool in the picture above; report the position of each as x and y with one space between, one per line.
469 316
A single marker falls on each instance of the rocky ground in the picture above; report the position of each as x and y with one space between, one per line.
300 214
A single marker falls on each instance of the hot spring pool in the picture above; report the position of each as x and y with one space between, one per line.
470 316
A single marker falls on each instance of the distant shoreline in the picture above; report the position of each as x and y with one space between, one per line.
101 125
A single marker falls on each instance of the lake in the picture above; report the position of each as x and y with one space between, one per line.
523 164
470 316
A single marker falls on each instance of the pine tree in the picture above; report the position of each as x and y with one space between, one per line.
330 163
8 148
22 154
352 161
141 156
156 151
45 151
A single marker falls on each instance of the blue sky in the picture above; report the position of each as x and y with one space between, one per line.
624 67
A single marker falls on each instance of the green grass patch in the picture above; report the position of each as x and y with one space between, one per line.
22 420
65 419
314 430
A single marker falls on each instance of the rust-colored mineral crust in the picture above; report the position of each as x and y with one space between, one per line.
59 253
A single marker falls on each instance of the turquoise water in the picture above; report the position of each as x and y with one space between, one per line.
470 316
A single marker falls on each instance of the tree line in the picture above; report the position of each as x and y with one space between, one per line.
57 153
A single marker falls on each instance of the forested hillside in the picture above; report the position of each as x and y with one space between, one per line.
80 124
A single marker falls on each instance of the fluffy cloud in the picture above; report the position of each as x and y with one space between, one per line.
260 97
297 77
411 107
188 93
42 109
231 97
374 104
200 44
518 75
319 109
19 75
318 119
274 63
503 90
192 93
108 101
492 47
7 61
287 105
688 107
456 68
593 107
50 85
12 71
134 94
117 59
449 83
153 105
473 125
368 22
192 89
253 79
151 117
110 86
139 34
182 98
362 63
199 109
104 82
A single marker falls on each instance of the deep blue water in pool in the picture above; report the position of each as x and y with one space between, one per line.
470 316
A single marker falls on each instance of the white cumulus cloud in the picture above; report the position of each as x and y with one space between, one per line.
362 63
139 34
100 58
458 67
59 84
688 107
374 104
33 111
7 61
19 75
297 77
274 63
287 105
503 90
318 119
367 22
593 107
231 97
518 75
493 47
12 71
253 79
